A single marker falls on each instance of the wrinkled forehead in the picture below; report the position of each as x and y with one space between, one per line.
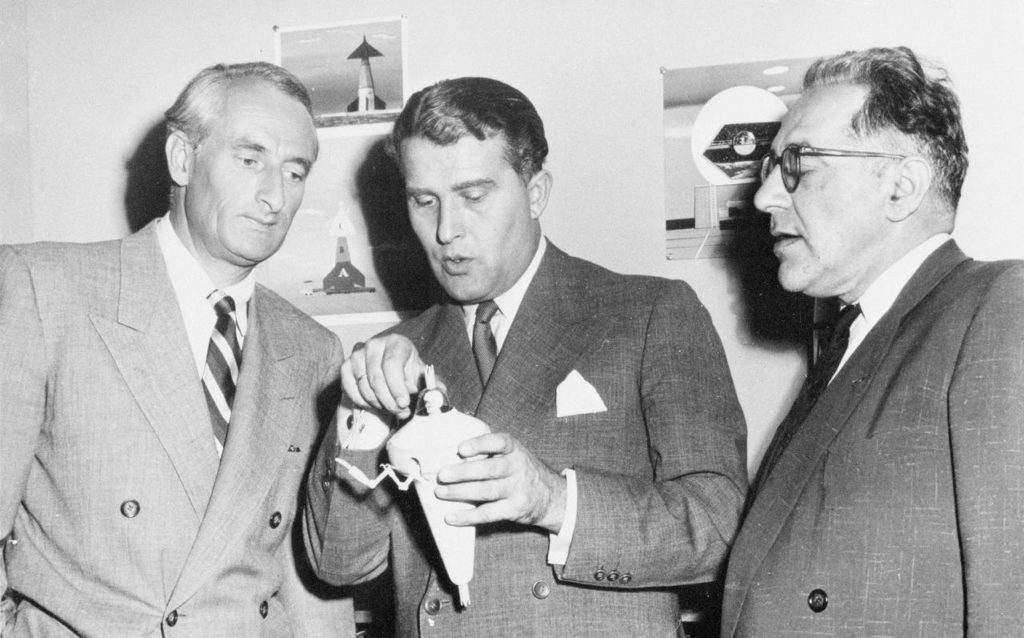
821 117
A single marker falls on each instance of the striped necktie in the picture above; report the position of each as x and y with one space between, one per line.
223 359
485 349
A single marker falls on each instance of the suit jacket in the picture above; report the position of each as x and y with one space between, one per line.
898 507
661 472
125 522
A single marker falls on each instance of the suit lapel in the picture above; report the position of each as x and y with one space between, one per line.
259 433
444 343
556 323
856 380
150 348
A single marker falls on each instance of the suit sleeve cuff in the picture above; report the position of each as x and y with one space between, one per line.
558 544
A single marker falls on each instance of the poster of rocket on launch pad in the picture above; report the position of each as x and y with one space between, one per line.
350 248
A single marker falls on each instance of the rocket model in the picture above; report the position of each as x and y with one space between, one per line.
428 442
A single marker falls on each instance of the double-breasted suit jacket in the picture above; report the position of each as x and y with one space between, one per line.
660 471
897 509
124 520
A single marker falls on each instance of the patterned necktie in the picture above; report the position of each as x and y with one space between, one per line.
223 359
818 379
485 349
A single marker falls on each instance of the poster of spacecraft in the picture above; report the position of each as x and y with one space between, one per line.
351 248
353 70
719 124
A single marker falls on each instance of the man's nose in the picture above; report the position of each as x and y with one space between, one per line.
271 191
449 223
772 196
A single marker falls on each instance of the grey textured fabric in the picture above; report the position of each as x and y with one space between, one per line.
661 471
899 501
109 477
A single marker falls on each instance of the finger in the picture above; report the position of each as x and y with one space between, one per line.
402 368
483 491
353 370
491 443
375 383
483 468
485 513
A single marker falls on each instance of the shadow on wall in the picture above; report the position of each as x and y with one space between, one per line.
398 258
148 186
777 318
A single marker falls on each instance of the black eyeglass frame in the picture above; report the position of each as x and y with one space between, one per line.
791 167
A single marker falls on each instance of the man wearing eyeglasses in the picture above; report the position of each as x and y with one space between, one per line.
891 499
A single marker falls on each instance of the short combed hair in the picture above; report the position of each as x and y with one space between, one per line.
904 97
447 111
202 99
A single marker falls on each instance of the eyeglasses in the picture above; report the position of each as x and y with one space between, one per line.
789 161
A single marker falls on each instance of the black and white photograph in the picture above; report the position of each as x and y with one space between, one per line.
354 70
532 319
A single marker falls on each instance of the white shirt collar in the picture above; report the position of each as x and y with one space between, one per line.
881 294
192 285
508 301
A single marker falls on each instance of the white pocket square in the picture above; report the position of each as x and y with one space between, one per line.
575 395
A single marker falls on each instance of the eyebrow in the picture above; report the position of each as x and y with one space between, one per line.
473 183
256 147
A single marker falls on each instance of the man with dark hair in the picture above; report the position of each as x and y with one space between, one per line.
615 466
157 406
891 499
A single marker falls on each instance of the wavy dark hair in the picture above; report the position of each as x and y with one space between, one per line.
447 111
908 97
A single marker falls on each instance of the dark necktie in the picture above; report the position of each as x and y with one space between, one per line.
824 368
223 359
485 349
828 362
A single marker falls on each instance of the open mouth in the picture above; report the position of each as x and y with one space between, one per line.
455 265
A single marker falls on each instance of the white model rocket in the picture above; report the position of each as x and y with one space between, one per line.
425 444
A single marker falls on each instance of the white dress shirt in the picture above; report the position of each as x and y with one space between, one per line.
882 292
192 286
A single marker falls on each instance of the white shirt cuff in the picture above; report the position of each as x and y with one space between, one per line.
558 544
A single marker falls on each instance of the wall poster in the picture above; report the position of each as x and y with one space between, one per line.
350 256
719 123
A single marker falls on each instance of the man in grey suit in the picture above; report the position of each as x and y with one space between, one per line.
891 499
615 467
137 497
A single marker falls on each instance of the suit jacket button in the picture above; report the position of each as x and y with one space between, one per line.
541 590
613 576
172 618
625 578
264 609
130 508
432 606
817 600
599 574
275 520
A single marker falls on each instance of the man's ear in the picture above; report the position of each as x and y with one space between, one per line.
538 189
913 180
180 156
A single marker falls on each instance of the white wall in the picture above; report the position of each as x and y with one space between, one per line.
100 73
